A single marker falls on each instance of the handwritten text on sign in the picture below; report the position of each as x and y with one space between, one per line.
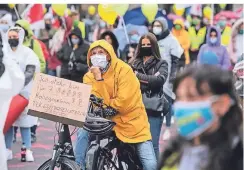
60 97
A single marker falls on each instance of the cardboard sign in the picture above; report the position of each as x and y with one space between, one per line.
59 100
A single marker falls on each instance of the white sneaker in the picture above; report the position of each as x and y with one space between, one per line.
166 135
9 154
29 156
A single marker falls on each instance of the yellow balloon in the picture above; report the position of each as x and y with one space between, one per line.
107 13
149 11
207 12
11 6
44 10
91 10
222 6
59 9
178 11
120 9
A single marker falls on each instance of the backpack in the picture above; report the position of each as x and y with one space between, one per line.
43 46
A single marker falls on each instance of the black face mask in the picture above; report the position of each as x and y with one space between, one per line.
146 51
13 42
48 26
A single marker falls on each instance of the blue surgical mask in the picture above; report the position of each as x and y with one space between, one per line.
213 40
157 30
99 60
193 118
135 38
102 24
75 41
4 27
222 24
241 31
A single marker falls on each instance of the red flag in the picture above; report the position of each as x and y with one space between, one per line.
36 13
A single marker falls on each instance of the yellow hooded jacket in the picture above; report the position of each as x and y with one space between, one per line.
120 89
183 38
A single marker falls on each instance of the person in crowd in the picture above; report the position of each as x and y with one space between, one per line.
30 65
239 75
236 44
197 32
6 22
129 53
47 33
183 37
73 57
30 42
111 39
152 72
55 44
213 52
171 51
100 27
75 16
11 82
209 120
115 82
225 31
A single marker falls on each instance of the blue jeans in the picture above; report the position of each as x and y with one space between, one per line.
155 128
145 151
170 114
25 134
81 147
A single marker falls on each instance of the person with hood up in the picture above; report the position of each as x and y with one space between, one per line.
30 42
111 39
236 44
171 51
213 52
183 37
152 72
11 82
30 65
73 57
115 82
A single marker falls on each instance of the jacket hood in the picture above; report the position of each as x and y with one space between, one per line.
163 21
179 22
236 26
21 34
7 17
76 31
113 37
26 26
218 36
105 45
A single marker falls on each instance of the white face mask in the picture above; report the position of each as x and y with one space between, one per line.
99 60
157 30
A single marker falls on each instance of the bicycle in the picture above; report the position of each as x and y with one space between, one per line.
63 154
115 155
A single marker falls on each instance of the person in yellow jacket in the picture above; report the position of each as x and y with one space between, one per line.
197 32
115 82
225 31
30 42
184 39
77 23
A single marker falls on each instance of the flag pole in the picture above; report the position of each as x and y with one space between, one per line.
16 12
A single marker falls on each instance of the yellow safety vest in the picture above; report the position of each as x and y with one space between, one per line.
226 35
82 28
197 39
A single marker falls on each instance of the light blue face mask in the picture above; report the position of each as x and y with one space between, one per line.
102 24
75 41
213 40
4 27
193 118
135 38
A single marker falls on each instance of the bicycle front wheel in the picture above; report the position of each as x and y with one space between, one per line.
63 164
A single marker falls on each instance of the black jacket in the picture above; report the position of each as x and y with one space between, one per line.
78 61
156 74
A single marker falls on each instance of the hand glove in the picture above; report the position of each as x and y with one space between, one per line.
95 100
109 112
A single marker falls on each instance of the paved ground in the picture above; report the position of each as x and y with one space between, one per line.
43 148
